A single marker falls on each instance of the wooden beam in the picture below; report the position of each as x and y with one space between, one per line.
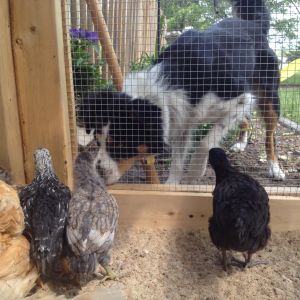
83 14
11 150
69 79
280 191
190 211
40 74
74 13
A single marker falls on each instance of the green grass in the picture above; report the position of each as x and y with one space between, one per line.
295 79
290 103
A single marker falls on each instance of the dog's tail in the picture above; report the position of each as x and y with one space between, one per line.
253 10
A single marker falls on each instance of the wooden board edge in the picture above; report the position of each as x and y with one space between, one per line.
280 191
191 211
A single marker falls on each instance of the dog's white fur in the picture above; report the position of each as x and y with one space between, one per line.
109 167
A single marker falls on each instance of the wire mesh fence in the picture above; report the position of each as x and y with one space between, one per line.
188 85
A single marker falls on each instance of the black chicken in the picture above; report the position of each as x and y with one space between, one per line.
240 211
92 219
45 205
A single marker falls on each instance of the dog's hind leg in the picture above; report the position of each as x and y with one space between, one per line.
266 84
270 117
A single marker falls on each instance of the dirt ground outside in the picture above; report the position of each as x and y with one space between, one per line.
252 160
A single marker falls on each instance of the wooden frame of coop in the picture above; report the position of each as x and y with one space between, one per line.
37 109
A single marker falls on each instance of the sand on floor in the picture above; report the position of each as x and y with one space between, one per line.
179 264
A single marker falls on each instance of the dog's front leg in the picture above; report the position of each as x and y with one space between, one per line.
176 169
197 166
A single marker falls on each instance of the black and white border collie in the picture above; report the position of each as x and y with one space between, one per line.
210 76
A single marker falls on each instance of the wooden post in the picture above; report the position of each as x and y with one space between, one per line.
11 150
69 79
83 14
74 13
107 47
40 75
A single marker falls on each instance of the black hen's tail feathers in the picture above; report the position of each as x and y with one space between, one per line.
253 10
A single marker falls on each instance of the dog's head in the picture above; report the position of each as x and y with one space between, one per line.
126 129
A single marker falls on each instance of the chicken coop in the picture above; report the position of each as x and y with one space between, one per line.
76 74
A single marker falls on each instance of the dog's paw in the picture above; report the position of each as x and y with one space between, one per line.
275 171
239 147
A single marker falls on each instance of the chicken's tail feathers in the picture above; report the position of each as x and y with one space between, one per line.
253 10
46 249
83 264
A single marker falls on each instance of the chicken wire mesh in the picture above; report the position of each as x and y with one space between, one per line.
158 130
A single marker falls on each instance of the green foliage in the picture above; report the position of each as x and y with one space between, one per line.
292 54
293 80
287 22
290 103
200 15
145 61
86 74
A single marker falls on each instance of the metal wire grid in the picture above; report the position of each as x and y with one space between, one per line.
133 29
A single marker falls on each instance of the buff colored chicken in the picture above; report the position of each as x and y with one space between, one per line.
11 214
17 274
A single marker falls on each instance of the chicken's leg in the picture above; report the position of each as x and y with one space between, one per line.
110 275
248 263
224 259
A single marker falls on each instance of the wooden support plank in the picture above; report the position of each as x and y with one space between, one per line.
11 150
104 69
40 74
69 79
168 210
83 14
74 13
129 50
122 34
271 190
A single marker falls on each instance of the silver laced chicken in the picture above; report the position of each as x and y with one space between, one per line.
45 205
92 220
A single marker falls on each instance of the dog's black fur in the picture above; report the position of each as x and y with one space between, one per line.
132 122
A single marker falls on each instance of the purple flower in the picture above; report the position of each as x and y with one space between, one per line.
92 36
74 33
80 33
